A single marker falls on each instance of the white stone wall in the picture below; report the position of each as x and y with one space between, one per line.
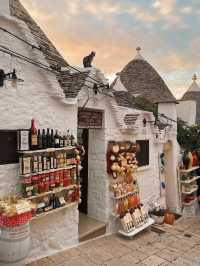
172 193
186 110
54 233
39 97
100 205
4 7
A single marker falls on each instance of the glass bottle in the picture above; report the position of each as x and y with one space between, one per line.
39 139
44 139
57 140
33 136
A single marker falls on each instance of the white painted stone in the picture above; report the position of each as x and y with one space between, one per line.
186 111
39 97
4 7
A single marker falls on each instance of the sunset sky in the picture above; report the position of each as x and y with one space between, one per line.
168 31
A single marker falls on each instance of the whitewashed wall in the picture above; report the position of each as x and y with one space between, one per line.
172 158
186 110
100 205
39 97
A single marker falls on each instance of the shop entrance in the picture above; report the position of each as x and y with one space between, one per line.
89 135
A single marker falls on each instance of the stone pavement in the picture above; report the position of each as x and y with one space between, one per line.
177 245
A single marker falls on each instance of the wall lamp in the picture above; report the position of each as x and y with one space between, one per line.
97 88
11 76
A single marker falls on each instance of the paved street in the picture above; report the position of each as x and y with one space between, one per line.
178 245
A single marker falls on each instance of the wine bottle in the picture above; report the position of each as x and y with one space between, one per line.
57 140
72 140
48 138
33 136
52 139
61 141
44 162
39 139
68 140
44 139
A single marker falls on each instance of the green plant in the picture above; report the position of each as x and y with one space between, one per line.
188 136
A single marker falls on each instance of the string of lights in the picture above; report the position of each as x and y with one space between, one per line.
10 52
44 52
46 67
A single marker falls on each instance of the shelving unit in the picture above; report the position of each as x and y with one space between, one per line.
65 195
47 150
55 191
137 229
71 166
190 203
190 180
188 208
190 192
69 205
189 170
125 195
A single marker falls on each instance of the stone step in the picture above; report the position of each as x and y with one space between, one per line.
90 228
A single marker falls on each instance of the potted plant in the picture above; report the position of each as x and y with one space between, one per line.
157 214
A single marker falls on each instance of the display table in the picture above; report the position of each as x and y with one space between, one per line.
137 230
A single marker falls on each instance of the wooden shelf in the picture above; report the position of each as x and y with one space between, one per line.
56 190
70 205
50 170
137 230
190 203
48 150
125 195
190 192
188 181
189 170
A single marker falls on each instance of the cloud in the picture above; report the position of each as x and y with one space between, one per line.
186 10
114 28
165 7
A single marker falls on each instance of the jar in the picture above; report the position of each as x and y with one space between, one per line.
41 187
52 184
46 186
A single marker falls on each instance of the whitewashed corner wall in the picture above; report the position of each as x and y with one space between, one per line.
100 205
186 110
39 97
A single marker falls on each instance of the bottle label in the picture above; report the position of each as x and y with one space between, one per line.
26 165
56 141
24 141
55 163
34 140
44 163
52 162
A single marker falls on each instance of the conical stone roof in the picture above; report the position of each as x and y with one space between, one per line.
193 94
70 83
140 78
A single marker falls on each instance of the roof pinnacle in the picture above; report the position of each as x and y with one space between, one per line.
194 78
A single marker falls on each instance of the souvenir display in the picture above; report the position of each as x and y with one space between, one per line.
135 218
49 170
122 166
188 189
14 211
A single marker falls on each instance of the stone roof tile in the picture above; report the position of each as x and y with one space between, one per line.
140 78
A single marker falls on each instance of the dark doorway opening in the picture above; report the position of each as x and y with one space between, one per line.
83 139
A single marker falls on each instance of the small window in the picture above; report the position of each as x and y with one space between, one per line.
142 154
8 146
